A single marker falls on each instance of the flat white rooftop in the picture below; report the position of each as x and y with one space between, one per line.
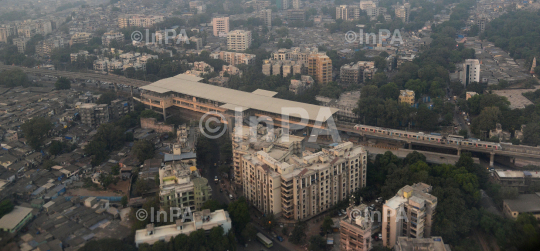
258 100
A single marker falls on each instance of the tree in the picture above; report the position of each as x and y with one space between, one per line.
15 77
317 243
239 213
269 222
62 84
298 233
144 150
486 120
106 98
213 205
531 134
56 147
115 170
107 244
35 131
151 114
250 232
6 206
327 224
48 164
124 201
141 186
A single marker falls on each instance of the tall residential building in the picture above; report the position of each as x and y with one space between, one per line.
296 4
182 186
481 22
416 244
238 40
348 12
403 12
470 72
296 15
134 20
357 73
320 68
278 180
266 16
6 31
21 43
220 26
80 38
408 214
119 108
110 36
355 229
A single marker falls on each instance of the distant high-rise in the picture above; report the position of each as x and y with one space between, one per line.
296 4
320 68
238 40
471 72
220 26
403 12
266 16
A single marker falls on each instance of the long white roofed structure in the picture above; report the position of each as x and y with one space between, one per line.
185 91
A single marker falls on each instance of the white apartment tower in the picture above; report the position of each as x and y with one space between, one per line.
470 72
409 213
266 16
220 26
238 40
296 4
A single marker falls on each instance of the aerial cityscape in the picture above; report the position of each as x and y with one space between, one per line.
258 125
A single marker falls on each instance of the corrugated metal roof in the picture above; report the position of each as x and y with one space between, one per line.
12 219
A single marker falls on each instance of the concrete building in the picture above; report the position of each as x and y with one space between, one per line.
364 5
238 40
296 4
296 15
469 95
119 108
348 12
182 186
21 43
234 58
406 96
523 204
481 22
135 20
408 214
521 180
350 74
110 36
266 16
300 86
220 26
403 12
470 72
205 220
80 38
320 68
416 244
302 187
16 219
94 115
355 229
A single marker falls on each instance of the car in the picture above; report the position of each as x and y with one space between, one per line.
221 190
373 205
274 235
379 236
231 197
279 238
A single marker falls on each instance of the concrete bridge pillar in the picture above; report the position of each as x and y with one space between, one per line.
459 152
164 114
410 145
491 159
131 90
115 87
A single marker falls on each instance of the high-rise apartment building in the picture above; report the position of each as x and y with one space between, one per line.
266 16
348 12
238 40
320 68
470 72
93 114
408 214
220 26
277 180
296 4
403 12
355 229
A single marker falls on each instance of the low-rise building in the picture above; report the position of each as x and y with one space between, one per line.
300 86
406 96
16 219
523 204
355 229
182 186
521 180
435 243
205 220
110 36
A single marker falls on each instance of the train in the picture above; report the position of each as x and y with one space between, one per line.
450 139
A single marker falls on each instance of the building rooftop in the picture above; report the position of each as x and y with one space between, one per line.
12 219
525 203
259 100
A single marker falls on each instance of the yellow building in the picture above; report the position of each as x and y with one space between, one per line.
320 68
406 96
